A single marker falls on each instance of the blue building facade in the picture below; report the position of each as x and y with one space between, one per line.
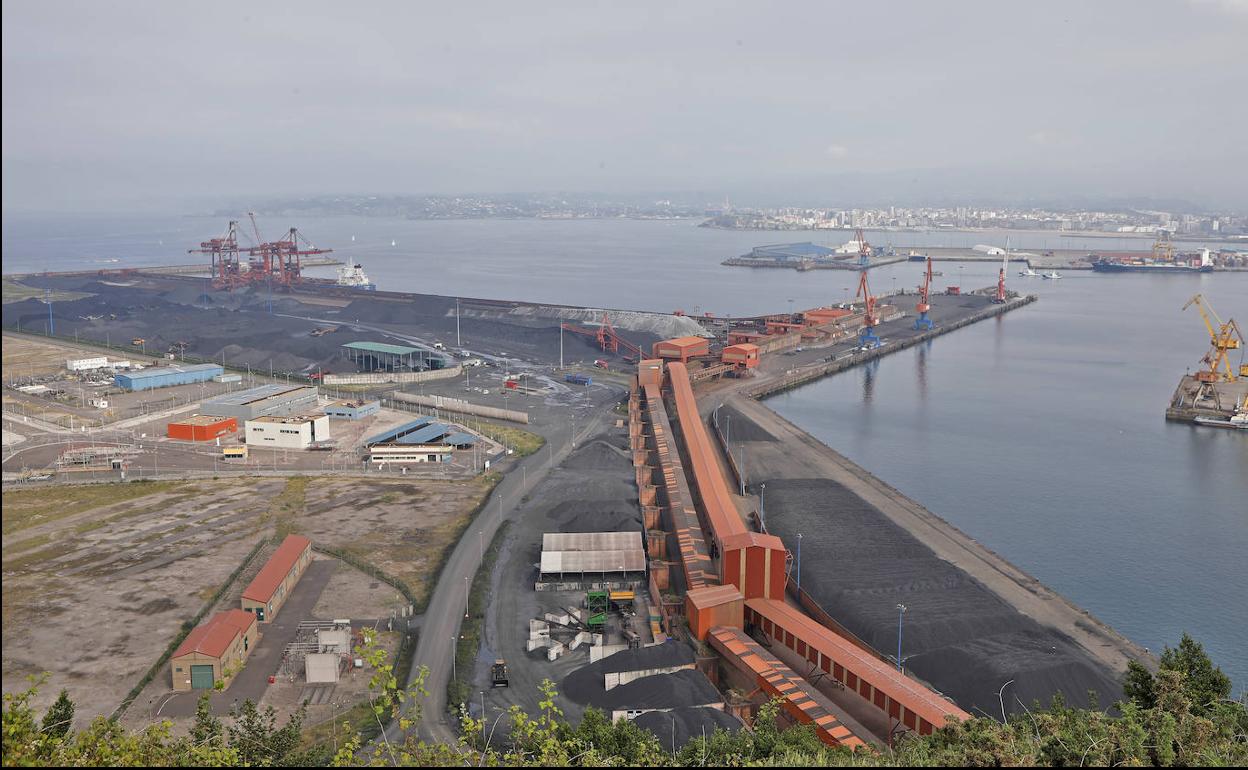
167 376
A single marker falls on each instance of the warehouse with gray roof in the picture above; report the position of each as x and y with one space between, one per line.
263 401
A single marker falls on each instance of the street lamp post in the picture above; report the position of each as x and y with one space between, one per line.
762 505
466 594
901 611
1001 698
799 563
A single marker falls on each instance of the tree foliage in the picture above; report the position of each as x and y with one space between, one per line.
1182 715
59 717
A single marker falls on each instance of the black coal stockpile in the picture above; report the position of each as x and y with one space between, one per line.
958 635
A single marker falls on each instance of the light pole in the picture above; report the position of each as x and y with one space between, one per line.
901 611
799 564
762 505
457 340
466 595
454 646
1001 698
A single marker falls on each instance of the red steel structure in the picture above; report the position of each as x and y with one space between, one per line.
754 563
276 263
772 676
609 340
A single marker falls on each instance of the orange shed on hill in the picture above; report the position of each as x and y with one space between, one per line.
745 354
682 348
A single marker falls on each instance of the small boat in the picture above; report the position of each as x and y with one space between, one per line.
394 243
1052 274
1028 273
938 272
1238 422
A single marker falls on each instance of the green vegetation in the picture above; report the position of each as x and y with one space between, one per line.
520 441
1180 716
25 508
18 292
469 642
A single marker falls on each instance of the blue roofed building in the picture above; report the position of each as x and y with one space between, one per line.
167 376
423 440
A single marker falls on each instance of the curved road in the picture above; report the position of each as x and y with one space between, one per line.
443 614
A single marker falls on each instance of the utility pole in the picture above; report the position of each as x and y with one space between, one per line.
457 340
560 343
901 611
799 565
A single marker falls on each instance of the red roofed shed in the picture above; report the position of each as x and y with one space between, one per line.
277 578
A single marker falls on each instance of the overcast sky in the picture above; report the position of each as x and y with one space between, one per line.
111 105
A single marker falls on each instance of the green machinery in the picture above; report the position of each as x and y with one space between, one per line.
597 604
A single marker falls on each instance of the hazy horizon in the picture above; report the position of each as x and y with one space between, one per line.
144 106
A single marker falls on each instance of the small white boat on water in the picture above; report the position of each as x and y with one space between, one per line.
1028 273
1053 275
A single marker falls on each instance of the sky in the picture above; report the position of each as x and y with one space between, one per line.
157 105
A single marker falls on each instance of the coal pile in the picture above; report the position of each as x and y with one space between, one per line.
958 635
677 727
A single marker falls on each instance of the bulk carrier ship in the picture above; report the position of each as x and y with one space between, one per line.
1163 260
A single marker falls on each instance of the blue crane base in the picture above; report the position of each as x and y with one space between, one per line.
868 339
923 322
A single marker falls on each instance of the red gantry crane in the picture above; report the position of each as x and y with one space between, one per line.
864 249
275 262
1000 295
923 323
866 336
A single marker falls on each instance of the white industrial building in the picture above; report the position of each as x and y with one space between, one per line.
294 432
86 364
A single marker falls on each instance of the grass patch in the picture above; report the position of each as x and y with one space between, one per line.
522 442
459 688
18 292
31 559
29 543
23 508
288 505
326 736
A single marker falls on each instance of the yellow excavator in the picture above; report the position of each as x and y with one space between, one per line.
1224 337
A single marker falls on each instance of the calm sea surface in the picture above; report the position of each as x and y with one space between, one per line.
1039 434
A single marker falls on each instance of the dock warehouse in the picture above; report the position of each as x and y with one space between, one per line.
383 357
262 401
167 376
353 410
277 578
419 441
202 427
214 651
297 431
591 553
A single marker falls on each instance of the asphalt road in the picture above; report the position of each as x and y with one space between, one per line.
444 612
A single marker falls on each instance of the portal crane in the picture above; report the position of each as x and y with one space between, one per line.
864 249
1223 337
866 336
227 273
924 323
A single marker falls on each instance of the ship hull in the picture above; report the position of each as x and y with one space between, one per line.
1102 266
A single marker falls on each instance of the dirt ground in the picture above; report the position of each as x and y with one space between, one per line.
98 579
401 526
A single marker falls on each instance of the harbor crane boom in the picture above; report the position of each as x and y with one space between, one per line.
864 249
867 337
923 322
1223 337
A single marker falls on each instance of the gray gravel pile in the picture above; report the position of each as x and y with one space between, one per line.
958 635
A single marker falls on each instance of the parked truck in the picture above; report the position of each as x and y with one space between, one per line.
577 379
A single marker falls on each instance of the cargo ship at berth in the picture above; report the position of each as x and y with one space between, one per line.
1144 266
1163 260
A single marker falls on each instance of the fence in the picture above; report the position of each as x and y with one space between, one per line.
381 378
